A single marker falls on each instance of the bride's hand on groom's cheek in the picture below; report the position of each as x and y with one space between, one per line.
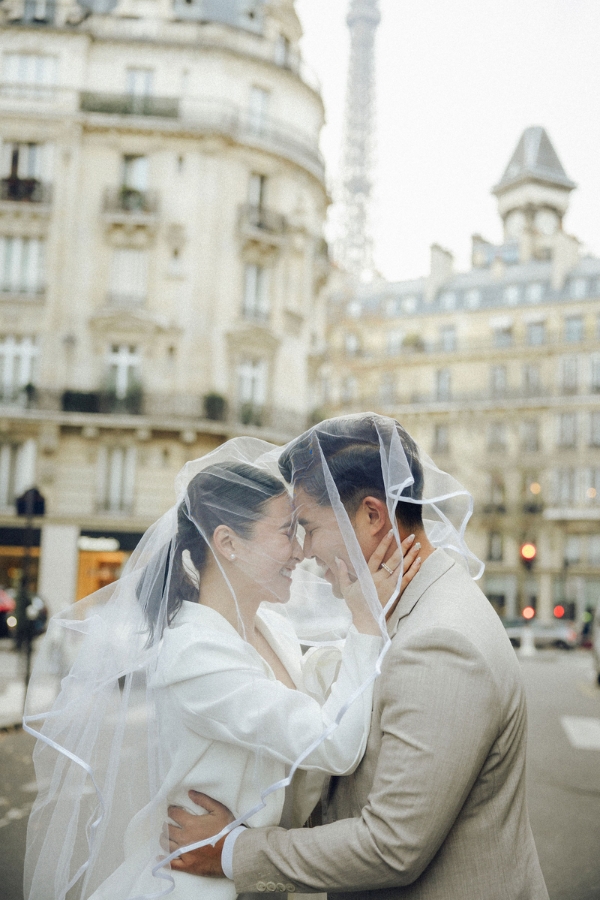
191 829
385 574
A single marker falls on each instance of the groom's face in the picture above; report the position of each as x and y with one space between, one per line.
323 541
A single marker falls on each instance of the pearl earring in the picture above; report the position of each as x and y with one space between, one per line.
232 556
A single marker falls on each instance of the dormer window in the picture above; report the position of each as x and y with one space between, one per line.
512 294
534 292
473 298
578 288
448 300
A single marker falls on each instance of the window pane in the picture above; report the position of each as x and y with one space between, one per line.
441 440
502 337
573 329
569 374
497 436
567 429
498 380
595 429
140 82
442 384
258 109
135 172
448 338
536 333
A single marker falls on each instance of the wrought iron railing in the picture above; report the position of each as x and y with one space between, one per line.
216 116
38 12
22 291
130 200
186 410
262 218
25 190
129 104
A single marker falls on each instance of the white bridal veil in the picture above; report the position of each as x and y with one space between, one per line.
118 670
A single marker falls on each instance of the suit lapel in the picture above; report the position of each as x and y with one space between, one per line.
433 568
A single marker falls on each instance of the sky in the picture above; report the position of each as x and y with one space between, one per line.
457 83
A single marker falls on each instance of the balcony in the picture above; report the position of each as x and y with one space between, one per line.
21 293
260 223
189 413
24 397
104 401
130 200
129 206
217 117
262 218
120 300
24 190
37 12
129 105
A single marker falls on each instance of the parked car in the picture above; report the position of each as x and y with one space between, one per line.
596 642
558 633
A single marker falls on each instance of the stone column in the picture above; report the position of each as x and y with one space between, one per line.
59 559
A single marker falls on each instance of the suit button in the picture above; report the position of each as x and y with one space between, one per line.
261 886
271 886
290 888
280 887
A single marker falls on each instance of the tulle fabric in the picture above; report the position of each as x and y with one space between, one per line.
99 702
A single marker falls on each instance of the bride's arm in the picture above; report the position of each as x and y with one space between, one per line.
225 695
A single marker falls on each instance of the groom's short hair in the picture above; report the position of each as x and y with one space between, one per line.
350 446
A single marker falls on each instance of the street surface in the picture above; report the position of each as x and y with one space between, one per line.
564 779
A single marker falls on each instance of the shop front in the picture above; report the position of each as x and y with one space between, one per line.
12 554
101 558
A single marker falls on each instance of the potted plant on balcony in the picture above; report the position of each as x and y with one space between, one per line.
80 401
131 403
134 399
413 342
251 414
215 407
131 199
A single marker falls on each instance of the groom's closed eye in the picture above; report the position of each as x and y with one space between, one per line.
307 526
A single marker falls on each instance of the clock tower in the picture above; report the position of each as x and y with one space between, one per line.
533 195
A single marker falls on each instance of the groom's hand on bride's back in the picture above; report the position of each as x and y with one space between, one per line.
191 829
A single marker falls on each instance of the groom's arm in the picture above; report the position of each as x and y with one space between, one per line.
440 718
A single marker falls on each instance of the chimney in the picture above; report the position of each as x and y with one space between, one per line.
441 270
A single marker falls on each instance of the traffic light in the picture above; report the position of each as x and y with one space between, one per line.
528 553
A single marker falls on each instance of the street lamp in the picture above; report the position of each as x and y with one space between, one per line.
28 609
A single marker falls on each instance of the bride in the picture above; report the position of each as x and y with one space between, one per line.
188 674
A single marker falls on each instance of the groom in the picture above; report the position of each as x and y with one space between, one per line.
436 810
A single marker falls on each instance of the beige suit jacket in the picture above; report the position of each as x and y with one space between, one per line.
436 809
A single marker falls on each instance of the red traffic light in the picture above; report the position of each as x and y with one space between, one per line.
559 611
528 612
528 551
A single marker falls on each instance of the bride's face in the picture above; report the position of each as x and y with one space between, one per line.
269 557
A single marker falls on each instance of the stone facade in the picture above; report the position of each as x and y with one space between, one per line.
161 257
496 372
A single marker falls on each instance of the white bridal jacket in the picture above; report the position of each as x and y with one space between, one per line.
230 729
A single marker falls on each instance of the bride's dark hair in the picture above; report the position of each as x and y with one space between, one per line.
232 494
